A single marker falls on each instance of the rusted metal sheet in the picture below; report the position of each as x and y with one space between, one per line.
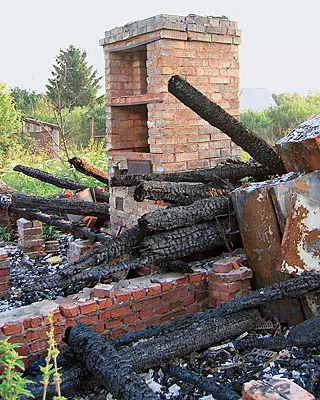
300 245
307 184
300 149
262 243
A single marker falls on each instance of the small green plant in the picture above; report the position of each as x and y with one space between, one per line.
4 235
11 381
51 367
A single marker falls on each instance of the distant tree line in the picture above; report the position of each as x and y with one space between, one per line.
274 122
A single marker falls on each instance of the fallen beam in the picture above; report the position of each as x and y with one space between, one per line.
75 228
102 360
219 118
55 206
63 183
218 176
178 193
177 217
88 169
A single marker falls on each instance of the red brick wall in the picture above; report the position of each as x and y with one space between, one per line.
116 309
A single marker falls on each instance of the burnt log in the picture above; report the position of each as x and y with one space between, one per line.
56 206
158 350
63 183
289 289
176 217
219 118
219 176
177 193
182 242
75 228
102 360
88 169
113 248
220 390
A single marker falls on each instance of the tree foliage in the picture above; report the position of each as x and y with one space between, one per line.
275 122
74 83
25 100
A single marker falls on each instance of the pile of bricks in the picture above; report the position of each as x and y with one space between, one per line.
78 248
4 274
228 279
112 310
30 237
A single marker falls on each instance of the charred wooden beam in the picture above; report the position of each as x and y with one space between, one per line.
63 183
102 360
182 242
220 391
289 289
176 217
114 248
219 118
56 206
158 350
88 169
177 193
75 228
218 176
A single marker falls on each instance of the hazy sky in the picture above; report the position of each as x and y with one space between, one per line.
280 49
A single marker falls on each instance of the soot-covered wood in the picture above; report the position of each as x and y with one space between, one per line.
219 118
178 193
219 176
63 183
88 169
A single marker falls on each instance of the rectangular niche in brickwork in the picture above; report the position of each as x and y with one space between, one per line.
129 128
128 72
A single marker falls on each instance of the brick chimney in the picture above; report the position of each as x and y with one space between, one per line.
148 130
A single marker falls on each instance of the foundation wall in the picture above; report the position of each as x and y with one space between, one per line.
124 307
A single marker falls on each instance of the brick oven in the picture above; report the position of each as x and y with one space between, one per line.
148 130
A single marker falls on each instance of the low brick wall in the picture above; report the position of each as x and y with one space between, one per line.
30 237
113 309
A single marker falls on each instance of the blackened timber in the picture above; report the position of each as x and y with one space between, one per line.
102 360
219 118
75 228
158 350
182 242
177 193
219 390
289 289
59 206
230 171
88 169
176 217
63 183
114 248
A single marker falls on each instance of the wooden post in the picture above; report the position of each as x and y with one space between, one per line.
91 128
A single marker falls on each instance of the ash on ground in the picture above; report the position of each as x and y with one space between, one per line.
223 365
25 270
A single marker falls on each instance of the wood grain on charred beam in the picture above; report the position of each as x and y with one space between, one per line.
59 206
102 360
63 183
176 217
88 169
178 193
229 171
219 118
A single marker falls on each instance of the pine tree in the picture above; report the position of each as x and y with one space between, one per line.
73 83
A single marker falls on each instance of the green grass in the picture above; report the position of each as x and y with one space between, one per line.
94 153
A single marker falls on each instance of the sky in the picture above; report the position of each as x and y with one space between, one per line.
280 50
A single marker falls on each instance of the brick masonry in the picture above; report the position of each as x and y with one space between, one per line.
115 309
30 237
4 274
78 248
144 121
